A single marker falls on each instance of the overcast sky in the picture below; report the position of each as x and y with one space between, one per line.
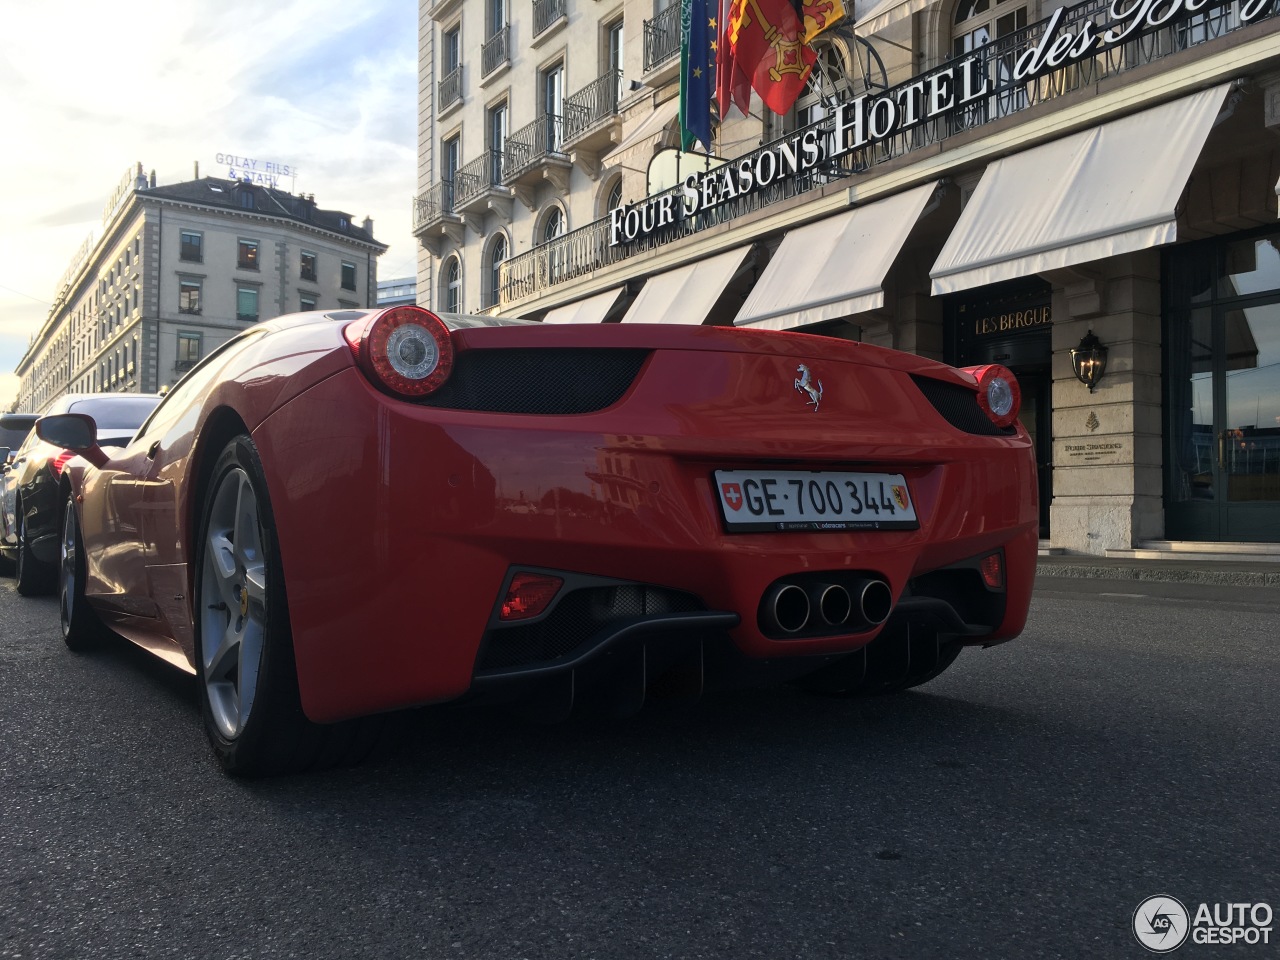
88 89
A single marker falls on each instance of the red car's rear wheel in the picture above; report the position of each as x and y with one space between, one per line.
244 650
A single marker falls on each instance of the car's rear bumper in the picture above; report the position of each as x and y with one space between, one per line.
399 526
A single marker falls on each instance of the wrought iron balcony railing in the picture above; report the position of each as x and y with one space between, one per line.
596 101
476 177
451 87
434 204
545 13
496 50
662 37
588 249
532 144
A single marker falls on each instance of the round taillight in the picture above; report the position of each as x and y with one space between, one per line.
999 395
405 350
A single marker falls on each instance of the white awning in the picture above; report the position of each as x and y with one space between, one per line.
686 294
647 129
888 12
834 267
591 310
1105 191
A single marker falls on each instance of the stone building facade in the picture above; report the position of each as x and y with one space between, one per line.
972 180
177 269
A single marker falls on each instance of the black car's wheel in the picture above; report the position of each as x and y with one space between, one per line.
34 578
81 628
244 650
886 665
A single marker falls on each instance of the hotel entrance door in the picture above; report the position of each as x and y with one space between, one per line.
1010 324
1222 362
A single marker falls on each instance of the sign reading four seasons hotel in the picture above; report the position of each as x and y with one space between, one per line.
1069 37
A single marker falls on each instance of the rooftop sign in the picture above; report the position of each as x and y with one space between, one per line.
264 173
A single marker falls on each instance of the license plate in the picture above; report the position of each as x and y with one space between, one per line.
793 500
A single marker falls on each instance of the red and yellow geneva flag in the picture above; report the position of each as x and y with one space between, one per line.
769 47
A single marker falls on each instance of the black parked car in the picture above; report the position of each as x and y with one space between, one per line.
14 428
33 488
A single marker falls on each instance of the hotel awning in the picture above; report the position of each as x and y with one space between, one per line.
591 310
1105 191
686 294
834 267
647 129
888 12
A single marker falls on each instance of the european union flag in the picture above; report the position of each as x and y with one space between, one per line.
698 34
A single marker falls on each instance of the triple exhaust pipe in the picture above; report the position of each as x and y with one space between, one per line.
789 608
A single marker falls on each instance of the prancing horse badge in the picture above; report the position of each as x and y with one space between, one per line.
806 384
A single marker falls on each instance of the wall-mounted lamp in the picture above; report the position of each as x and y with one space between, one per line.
1089 360
636 85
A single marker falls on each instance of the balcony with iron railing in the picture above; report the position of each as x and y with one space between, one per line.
496 51
451 88
587 249
591 119
546 14
662 38
478 187
434 216
535 153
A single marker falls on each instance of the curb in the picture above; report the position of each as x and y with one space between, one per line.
1156 571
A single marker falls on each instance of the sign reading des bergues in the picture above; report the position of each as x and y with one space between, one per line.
870 119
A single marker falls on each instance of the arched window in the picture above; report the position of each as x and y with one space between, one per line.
493 295
451 292
553 226
615 196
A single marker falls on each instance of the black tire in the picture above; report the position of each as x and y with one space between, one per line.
81 628
34 578
887 665
269 735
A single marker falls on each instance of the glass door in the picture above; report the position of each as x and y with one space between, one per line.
1223 399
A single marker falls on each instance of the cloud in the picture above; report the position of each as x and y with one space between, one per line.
325 85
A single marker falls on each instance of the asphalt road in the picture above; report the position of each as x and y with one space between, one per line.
1022 805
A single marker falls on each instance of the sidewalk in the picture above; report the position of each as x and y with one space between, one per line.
1233 572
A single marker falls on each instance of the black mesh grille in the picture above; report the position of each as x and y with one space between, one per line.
575 620
959 406
546 381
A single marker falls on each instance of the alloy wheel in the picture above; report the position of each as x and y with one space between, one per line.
232 603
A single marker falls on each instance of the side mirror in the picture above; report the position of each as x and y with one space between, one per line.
77 432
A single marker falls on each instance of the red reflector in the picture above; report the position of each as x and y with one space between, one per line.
529 595
60 461
992 567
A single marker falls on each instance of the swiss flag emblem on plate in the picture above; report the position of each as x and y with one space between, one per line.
732 494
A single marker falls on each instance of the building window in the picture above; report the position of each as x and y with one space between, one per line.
188 296
348 276
453 286
306 303
552 82
614 199
246 198
188 349
554 226
499 253
308 266
247 258
247 304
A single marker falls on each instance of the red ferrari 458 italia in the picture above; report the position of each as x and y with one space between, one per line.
336 515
